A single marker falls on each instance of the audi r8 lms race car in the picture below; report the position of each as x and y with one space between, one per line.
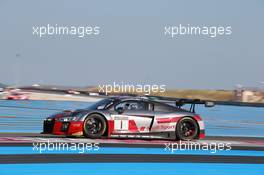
130 117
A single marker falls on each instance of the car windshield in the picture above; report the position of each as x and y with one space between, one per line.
102 104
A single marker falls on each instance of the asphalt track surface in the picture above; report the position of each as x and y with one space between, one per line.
26 139
127 158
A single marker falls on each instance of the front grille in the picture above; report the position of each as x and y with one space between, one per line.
48 126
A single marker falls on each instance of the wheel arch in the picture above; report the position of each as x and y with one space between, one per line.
98 113
196 121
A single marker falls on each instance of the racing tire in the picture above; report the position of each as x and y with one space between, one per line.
187 129
94 126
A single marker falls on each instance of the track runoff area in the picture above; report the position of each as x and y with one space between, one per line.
16 148
27 153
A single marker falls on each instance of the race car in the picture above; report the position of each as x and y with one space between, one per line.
17 96
130 117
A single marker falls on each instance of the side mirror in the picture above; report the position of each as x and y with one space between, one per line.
209 104
120 110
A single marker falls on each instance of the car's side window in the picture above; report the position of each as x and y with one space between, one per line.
150 106
132 105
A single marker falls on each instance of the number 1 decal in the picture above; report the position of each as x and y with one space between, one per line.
121 123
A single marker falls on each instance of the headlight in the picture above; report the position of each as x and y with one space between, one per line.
75 116
68 119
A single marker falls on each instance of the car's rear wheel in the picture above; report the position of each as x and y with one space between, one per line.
94 126
187 129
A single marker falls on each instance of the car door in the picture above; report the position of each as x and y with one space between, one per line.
135 117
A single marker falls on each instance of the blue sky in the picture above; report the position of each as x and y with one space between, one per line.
131 47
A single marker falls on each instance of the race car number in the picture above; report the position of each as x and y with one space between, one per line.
121 123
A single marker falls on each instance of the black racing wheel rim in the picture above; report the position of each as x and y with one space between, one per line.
187 129
94 126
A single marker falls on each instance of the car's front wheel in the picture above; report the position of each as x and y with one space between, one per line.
187 129
94 126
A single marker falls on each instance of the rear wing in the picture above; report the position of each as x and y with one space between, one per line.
179 102
193 102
